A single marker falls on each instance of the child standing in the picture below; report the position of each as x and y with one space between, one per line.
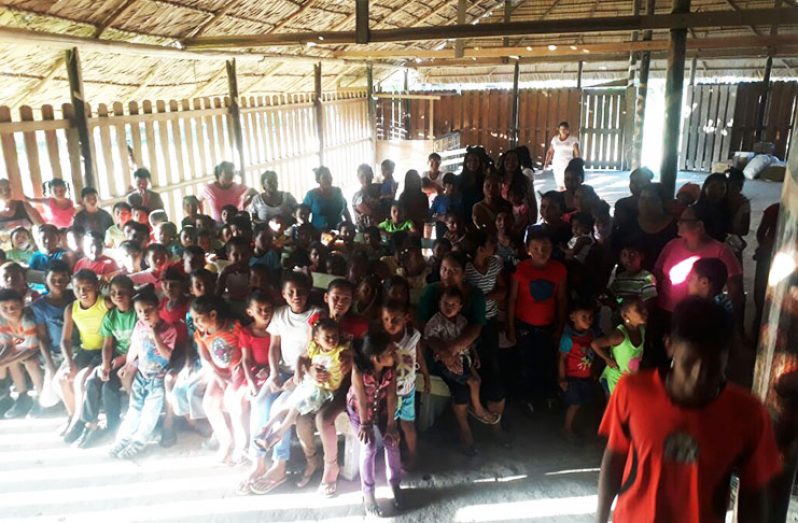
625 344
576 363
151 346
408 357
707 279
91 217
371 402
445 326
632 281
57 208
450 200
397 221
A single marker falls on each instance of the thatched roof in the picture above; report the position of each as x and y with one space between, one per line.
34 74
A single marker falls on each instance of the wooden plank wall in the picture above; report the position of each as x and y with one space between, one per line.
602 128
707 131
779 114
181 142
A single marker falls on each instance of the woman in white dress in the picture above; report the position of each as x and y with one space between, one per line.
562 150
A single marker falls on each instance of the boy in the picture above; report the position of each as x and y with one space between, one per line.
193 259
449 200
301 217
265 253
130 256
707 279
675 437
338 298
116 234
397 221
632 280
143 196
12 276
388 186
151 346
536 315
22 246
166 234
19 347
95 260
91 217
137 232
576 363
234 279
157 258
48 313
364 203
49 251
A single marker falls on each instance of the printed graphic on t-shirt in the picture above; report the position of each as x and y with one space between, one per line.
681 447
541 290
221 350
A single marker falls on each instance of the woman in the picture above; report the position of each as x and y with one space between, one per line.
271 202
327 203
452 273
414 201
142 195
562 150
15 213
224 191
484 272
574 177
586 200
484 213
654 226
714 206
514 175
473 176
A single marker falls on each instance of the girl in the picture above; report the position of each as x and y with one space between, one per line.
218 343
507 246
455 231
626 344
368 298
325 351
57 209
371 402
22 247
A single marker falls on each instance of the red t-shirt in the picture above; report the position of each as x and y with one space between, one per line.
176 317
100 266
352 326
258 346
679 460
537 292
578 355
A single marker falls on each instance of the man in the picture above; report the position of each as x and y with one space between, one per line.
676 437
142 196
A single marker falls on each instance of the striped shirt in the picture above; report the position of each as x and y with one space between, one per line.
642 284
486 282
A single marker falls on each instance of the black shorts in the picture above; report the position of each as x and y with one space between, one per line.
579 392
87 358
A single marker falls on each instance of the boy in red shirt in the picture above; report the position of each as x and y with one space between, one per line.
676 437
576 363
536 316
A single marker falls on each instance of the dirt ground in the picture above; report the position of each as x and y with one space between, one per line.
541 477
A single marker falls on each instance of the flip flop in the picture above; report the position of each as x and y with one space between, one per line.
244 488
306 477
328 489
483 419
263 486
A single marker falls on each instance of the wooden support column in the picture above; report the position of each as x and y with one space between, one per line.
674 84
406 105
459 45
514 107
319 110
644 68
508 14
431 122
693 67
372 111
763 101
81 120
579 74
362 21
235 114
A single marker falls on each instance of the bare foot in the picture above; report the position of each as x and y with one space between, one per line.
225 455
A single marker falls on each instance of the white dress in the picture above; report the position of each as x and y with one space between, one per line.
563 153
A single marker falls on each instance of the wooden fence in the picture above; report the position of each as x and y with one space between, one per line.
602 127
181 142
778 122
706 133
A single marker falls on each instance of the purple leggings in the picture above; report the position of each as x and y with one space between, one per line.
368 455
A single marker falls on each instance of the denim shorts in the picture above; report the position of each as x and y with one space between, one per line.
579 392
406 406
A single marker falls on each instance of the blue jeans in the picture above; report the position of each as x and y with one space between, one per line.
146 404
260 410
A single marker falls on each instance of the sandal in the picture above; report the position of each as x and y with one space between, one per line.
244 488
487 420
119 447
307 475
131 451
264 485
328 488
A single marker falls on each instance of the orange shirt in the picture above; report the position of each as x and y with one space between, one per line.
537 292
679 459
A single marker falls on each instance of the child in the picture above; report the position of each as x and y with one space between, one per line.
115 233
301 217
626 344
228 213
388 186
265 253
218 342
325 351
552 208
95 260
142 215
632 280
536 316
73 241
408 358
130 256
364 203
86 316
368 298
22 247
455 231
151 347
157 258
372 243
449 200
696 429
576 363
12 276
371 403
339 298
103 385
707 279
48 313
440 248
345 241
193 259
190 211
233 281
57 209
166 234
19 347
523 213
508 247
49 251
397 221
91 217
137 232
461 367
582 239
188 236
413 267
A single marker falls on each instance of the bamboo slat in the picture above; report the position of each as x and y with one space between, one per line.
179 171
122 173
167 176
188 130
135 135
108 184
222 138
211 132
73 150
31 152
9 147
51 139
152 149
201 140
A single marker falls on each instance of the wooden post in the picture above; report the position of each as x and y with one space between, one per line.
514 106
362 21
431 123
235 114
763 101
406 105
674 84
372 111
81 120
508 13
319 110
693 66
459 45
644 69
579 74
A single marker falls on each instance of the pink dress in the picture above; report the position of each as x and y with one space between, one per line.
57 216
218 198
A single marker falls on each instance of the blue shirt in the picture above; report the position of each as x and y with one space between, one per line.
51 316
443 204
41 261
325 211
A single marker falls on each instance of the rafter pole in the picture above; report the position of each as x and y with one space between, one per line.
362 21
459 45
317 102
508 13
81 121
235 114
372 111
639 108
579 69
674 85
266 75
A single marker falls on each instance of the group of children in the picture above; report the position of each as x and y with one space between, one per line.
219 324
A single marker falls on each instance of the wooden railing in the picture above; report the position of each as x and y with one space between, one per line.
181 142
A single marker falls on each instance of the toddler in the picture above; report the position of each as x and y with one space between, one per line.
625 344
22 246
582 239
576 363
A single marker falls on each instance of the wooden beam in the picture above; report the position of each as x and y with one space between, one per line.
674 87
362 21
266 75
759 132
153 73
580 69
81 120
372 112
745 17
319 110
235 113
514 120
508 14
459 45
407 96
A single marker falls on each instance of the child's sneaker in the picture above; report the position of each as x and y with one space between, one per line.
20 408
89 437
73 433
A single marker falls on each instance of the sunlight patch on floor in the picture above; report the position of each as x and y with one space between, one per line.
527 510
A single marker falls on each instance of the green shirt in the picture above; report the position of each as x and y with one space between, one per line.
119 326
389 226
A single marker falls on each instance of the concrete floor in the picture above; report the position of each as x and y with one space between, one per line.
541 478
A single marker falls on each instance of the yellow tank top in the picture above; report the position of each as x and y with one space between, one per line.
331 361
88 322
